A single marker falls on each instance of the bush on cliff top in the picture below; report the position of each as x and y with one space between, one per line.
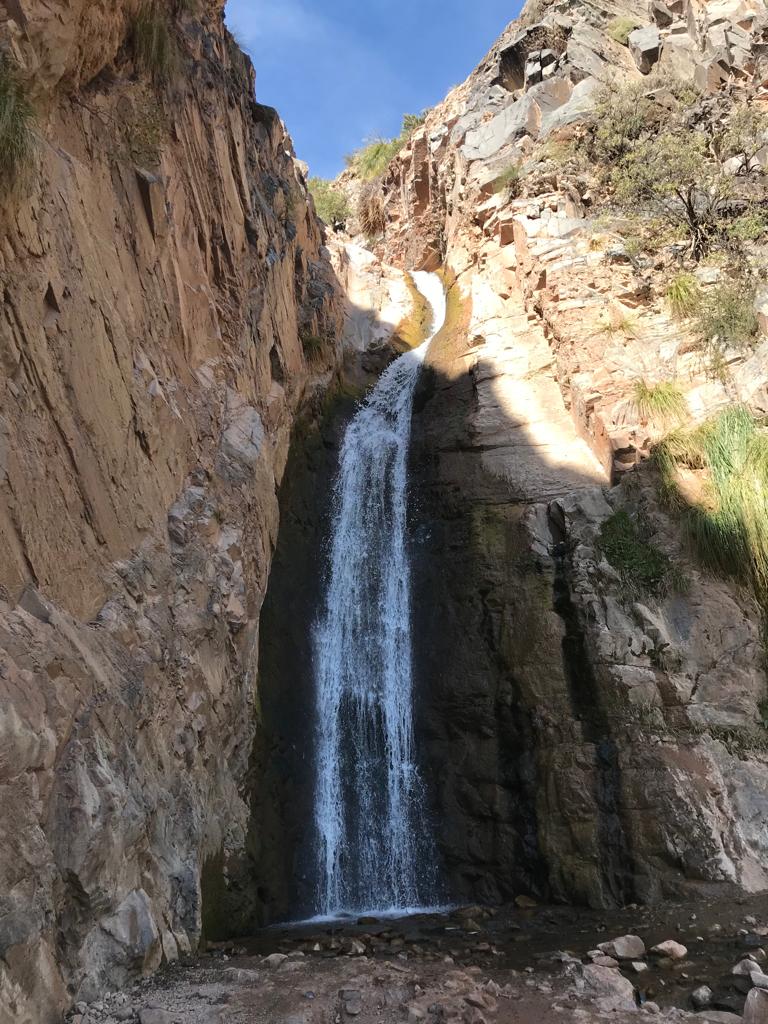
675 173
373 159
331 203
663 156
17 120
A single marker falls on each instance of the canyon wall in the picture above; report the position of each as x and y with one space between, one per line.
179 352
168 309
585 739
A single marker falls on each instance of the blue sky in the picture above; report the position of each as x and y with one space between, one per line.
343 71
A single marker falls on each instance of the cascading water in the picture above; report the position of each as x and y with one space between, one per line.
374 851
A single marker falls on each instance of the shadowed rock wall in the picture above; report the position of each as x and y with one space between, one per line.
160 269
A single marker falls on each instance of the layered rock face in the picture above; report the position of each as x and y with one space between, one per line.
168 308
584 740
170 315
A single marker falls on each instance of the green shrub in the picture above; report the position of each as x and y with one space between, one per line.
749 227
312 344
331 203
674 172
726 317
17 121
508 180
662 403
152 42
744 136
373 159
620 28
642 567
683 295
728 527
622 114
655 162
410 123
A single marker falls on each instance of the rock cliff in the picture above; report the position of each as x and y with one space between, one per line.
178 351
168 307
587 738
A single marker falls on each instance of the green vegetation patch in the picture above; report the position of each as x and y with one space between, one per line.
331 203
17 122
373 159
312 344
749 227
728 523
153 45
659 157
726 318
683 295
620 28
508 181
662 403
642 567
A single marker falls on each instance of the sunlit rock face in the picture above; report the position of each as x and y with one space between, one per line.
171 319
585 740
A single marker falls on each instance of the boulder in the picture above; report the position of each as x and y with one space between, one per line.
609 989
661 14
710 75
701 997
605 961
625 947
744 968
155 1016
756 1007
275 960
674 950
645 47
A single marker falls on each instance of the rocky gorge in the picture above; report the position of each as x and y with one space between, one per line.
183 344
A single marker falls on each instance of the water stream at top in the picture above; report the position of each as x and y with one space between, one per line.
374 849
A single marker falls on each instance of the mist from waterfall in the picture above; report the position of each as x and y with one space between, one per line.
374 847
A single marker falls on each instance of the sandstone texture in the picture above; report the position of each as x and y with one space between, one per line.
180 348
582 740
168 307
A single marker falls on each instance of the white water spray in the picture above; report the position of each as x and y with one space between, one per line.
374 850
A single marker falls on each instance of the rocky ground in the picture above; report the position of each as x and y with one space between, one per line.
519 964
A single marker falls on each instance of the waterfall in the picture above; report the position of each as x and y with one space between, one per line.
374 851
